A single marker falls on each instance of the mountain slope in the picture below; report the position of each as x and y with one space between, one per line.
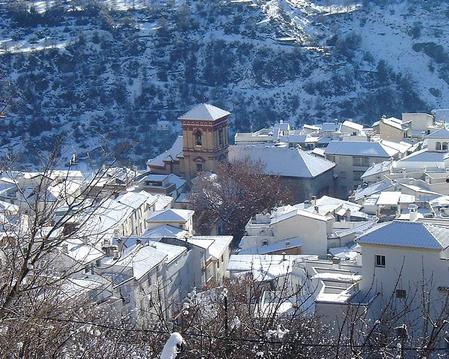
105 72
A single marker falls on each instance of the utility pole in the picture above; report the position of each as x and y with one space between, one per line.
226 315
226 318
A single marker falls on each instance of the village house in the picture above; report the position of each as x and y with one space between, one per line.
352 159
393 129
306 175
181 218
401 257
166 184
312 227
428 163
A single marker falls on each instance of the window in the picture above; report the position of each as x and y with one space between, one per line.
438 146
360 161
220 137
199 167
444 146
401 293
198 138
380 261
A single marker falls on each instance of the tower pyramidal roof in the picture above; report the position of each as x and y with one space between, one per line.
204 112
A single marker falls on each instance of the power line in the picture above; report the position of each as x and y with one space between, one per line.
249 340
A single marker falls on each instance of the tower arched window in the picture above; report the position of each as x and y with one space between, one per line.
198 138
438 146
220 137
444 147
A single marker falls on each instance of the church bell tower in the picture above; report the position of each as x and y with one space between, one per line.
205 139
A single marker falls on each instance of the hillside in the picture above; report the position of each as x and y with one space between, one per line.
105 72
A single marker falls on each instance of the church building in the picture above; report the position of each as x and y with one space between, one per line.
203 144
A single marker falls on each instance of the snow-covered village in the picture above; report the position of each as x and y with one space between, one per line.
224 179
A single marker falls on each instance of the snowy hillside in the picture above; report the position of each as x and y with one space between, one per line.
105 72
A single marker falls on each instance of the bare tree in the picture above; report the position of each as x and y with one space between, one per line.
46 309
235 193
233 321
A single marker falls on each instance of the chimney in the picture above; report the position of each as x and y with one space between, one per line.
413 212
313 201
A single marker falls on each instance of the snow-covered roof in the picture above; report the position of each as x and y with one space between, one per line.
442 134
324 140
407 198
362 148
81 252
389 198
310 127
105 218
293 138
377 168
171 251
352 125
394 122
282 161
440 201
202 243
163 202
338 276
8 207
204 112
401 147
164 231
136 199
172 154
141 259
407 234
218 246
330 127
73 287
170 178
318 151
418 189
373 188
279 217
424 156
328 205
263 267
357 230
344 253
171 215
273 247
